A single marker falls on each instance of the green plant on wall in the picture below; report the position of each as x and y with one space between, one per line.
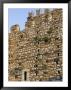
37 39
49 31
45 39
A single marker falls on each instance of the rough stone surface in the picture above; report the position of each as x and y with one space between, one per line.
35 54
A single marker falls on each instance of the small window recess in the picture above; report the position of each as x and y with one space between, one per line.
25 75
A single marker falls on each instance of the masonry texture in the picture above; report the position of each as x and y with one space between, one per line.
35 54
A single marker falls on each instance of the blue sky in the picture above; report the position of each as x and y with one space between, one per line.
19 16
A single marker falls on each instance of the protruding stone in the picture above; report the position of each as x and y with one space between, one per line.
15 28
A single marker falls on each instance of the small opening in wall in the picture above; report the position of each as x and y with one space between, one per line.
35 65
58 54
59 72
56 60
57 46
38 42
38 50
36 57
36 72
19 63
56 38
46 61
25 75
37 32
21 36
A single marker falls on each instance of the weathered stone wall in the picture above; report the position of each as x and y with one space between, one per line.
36 53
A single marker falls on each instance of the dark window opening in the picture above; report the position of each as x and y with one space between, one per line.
38 50
58 54
58 46
19 63
38 42
36 57
56 38
21 36
35 65
56 60
59 72
25 75
36 72
46 61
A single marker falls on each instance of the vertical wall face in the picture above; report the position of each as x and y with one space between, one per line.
38 50
12 55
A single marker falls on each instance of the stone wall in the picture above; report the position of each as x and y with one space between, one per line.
35 54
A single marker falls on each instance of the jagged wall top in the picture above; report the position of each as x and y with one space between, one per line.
16 28
38 12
